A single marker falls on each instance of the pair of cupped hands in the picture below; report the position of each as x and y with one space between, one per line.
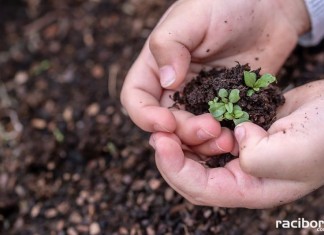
275 166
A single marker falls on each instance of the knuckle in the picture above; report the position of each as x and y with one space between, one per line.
246 164
124 98
195 201
157 40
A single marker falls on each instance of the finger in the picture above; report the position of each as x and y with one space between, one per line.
188 151
291 147
171 47
175 167
294 100
140 96
226 187
283 153
225 143
194 130
258 193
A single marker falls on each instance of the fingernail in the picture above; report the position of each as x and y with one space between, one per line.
214 146
204 135
167 76
239 133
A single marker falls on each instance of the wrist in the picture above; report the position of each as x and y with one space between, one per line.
296 13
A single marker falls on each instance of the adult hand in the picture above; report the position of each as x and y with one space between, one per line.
195 35
274 167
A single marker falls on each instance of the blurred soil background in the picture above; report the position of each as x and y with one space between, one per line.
71 161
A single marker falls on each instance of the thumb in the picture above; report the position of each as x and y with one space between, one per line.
173 40
249 136
277 155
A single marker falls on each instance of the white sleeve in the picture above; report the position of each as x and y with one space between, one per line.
316 12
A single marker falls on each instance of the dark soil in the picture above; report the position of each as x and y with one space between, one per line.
261 106
71 160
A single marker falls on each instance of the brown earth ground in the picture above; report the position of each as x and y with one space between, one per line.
71 161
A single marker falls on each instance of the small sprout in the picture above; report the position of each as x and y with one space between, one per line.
224 107
43 66
238 116
111 148
58 135
255 84
217 109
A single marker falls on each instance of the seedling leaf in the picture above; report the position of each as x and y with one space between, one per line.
244 118
238 113
249 78
218 111
264 81
250 92
224 100
228 116
220 118
229 107
222 107
237 108
222 93
234 96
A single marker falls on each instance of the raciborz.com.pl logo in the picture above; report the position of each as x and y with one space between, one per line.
301 223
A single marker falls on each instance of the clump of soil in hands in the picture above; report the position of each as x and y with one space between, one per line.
261 106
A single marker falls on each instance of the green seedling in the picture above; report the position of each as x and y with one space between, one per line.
256 84
224 107
238 116
58 135
43 66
